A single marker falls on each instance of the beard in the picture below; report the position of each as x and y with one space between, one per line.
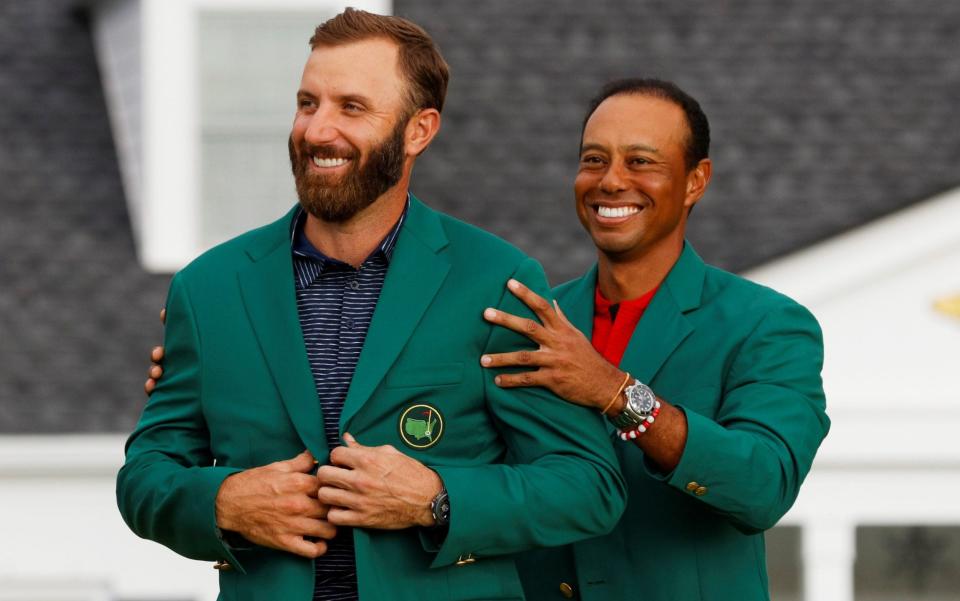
336 199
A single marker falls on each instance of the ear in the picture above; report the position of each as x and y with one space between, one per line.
421 129
697 180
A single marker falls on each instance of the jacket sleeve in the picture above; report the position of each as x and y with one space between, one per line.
749 462
168 484
563 483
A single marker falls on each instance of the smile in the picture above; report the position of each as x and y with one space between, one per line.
329 162
615 212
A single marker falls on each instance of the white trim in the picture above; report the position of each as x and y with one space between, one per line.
170 226
879 249
63 537
61 455
382 7
61 589
166 216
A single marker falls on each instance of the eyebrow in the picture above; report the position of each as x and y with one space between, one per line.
345 97
629 148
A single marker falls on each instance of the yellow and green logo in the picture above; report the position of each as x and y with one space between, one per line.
421 426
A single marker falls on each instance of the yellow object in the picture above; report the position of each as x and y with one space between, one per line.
949 305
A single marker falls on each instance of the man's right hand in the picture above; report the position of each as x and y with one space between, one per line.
276 506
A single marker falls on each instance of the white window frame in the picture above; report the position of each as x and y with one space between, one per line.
170 210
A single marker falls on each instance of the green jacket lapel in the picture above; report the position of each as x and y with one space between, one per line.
269 295
417 269
577 304
663 325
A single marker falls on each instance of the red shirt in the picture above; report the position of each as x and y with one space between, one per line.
612 335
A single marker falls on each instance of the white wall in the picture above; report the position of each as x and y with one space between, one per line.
62 535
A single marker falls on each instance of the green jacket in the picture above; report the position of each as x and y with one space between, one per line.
238 392
743 362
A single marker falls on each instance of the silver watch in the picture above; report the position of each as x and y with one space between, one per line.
640 404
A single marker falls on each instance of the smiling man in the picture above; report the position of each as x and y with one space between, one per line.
356 319
710 383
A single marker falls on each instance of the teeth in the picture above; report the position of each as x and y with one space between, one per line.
329 162
617 211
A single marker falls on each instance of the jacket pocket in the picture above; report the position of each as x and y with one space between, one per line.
410 376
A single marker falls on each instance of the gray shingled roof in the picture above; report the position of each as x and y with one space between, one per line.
77 313
825 115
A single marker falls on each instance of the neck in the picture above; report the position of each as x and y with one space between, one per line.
623 277
353 240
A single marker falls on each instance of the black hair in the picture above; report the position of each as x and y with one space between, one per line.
698 142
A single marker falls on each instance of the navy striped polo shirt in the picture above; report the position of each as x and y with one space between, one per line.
335 302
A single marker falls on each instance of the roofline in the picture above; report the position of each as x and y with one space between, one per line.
882 248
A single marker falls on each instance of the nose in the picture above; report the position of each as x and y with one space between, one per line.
322 128
612 180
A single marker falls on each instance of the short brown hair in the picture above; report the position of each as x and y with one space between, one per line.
426 72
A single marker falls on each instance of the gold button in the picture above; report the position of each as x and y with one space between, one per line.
692 486
466 559
701 490
566 590
222 566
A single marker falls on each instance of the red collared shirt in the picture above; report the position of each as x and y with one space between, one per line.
612 334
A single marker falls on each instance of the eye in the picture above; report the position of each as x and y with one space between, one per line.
352 107
305 103
639 161
591 160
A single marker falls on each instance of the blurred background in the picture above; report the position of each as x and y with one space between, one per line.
134 134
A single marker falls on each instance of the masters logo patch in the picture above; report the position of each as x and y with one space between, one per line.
421 426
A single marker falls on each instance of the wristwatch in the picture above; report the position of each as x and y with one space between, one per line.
440 508
640 404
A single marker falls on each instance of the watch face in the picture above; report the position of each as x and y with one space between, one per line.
641 399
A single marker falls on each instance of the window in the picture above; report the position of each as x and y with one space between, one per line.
201 103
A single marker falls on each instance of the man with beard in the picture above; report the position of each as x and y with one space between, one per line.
357 318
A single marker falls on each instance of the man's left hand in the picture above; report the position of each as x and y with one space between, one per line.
377 487
566 362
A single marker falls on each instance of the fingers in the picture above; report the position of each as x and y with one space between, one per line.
300 546
155 371
527 378
338 498
560 313
315 528
528 327
329 475
163 315
302 463
537 303
534 358
349 456
346 517
350 440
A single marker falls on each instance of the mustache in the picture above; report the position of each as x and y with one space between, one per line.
328 151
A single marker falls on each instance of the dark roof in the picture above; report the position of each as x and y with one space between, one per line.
77 313
824 114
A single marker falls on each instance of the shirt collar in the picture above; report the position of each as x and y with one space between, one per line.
302 248
602 307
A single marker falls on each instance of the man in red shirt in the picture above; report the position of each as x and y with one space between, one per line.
711 381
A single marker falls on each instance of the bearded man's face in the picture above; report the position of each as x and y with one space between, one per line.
338 197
